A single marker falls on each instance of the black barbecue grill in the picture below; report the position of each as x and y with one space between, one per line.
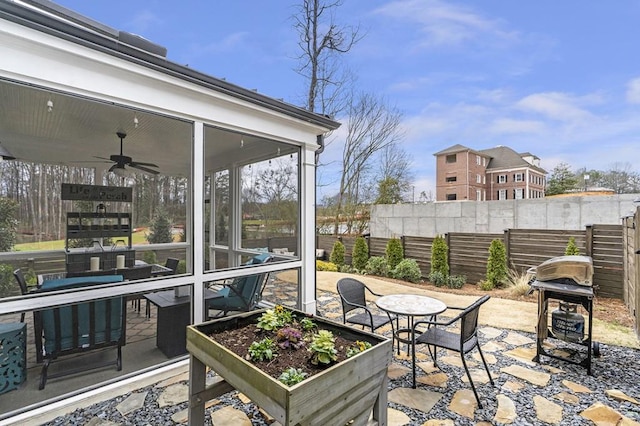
569 280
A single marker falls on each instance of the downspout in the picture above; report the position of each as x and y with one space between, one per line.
320 150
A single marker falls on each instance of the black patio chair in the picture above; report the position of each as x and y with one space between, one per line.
461 340
353 296
22 282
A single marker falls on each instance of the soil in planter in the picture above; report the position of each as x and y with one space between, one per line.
238 341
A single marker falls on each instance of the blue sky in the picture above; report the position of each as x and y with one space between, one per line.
559 79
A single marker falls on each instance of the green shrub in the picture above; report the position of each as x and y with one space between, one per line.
150 257
160 230
440 256
321 265
394 252
407 270
457 281
348 269
360 254
438 279
337 254
182 267
377 265
497 270
572 249
8 284
486 285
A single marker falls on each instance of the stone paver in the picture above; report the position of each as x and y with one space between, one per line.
576 387
512 386
174 395
547 411
566 397
436 380
132 403
603 415
396 371
397 417
522 354
506 412
531 376
230 416
437 422
517 339
621 396
464 403
419 399
490 333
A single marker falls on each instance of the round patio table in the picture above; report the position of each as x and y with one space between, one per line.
411 306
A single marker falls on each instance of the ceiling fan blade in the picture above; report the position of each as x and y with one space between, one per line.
102 158
143 168
138 163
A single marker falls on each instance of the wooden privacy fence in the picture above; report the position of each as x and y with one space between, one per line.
468 252
631 230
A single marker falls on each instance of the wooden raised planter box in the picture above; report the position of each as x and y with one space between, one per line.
346 391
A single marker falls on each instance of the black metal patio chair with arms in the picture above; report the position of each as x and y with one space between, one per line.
353 297
462 340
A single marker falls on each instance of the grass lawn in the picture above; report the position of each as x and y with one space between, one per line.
138 238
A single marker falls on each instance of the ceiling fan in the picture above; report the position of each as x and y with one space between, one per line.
122 160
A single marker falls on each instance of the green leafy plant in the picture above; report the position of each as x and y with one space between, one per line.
337 254
323 348
289 338
262 350
486 285
407 270
457 281
377 265
321 265
360 254
440 256
292 376
273 319
307 324
160 230
8 223
394 252
8 284
360 346
497 263
438 279
572 249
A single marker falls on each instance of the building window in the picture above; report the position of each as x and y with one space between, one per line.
502 178
478 195
518 193
478 179
484 179
451 158
451 179
478 160
484 162
518 177
502 194
451 197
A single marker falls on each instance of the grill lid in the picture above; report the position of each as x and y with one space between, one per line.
577 268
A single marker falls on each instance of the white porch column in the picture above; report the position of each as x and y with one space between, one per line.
307 230
195 212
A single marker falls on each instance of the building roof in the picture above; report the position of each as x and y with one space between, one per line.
455 149
50 18
503 157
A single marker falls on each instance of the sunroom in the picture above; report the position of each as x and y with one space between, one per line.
101 132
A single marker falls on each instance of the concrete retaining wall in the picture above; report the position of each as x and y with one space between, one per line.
431 219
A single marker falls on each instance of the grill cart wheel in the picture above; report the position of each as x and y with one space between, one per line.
596 349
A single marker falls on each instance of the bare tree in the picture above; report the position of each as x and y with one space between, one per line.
372 126
321 42
395 166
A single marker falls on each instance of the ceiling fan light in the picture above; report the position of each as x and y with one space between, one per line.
121 171
5 154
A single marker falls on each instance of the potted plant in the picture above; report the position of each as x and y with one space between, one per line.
350 379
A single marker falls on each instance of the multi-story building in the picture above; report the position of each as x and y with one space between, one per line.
497 173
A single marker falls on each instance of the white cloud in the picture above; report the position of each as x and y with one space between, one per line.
555 105
509 126
444 23
633 91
